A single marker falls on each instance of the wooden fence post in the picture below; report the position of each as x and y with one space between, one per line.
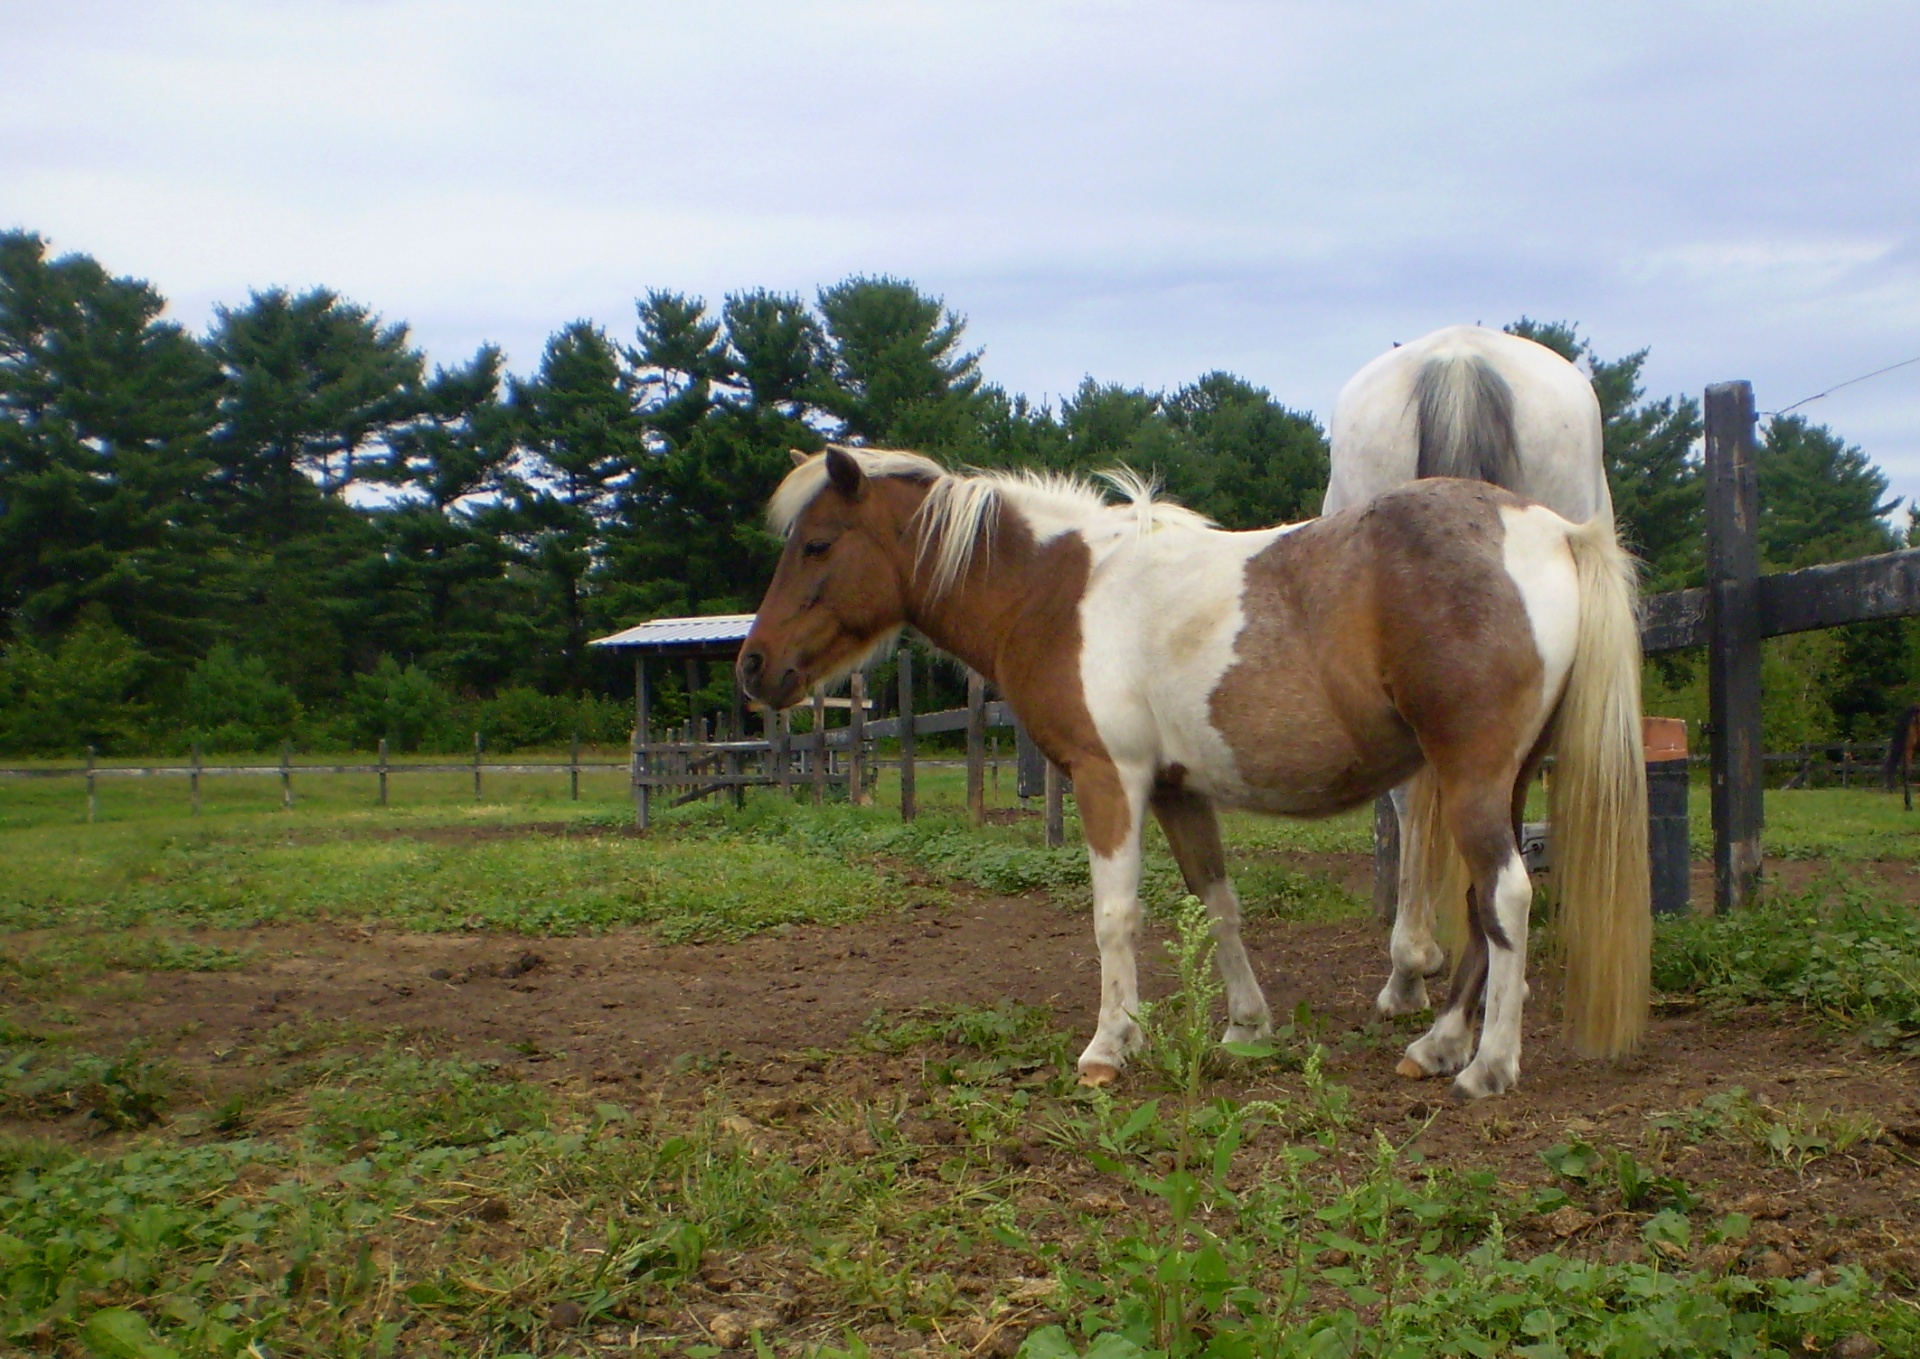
93 804
573 768
194 779
857 740
908 806
1029 765
1056 807
476 766
383 771
819 748
286 776
976 749
782 740
1733 645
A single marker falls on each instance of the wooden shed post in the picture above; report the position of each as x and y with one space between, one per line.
1733 643
642 737
736 762
909 808
976 748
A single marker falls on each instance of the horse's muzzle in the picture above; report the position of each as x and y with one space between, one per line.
779 691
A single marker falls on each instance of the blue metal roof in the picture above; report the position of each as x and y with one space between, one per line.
712 632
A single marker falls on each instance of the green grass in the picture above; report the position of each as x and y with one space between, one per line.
705 872
1836 949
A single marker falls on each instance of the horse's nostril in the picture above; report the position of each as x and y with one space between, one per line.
751 663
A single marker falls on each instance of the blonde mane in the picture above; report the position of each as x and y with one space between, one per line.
960 506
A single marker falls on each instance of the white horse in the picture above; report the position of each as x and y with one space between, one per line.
1487 406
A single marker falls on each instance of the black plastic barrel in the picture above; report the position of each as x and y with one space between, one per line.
1667 849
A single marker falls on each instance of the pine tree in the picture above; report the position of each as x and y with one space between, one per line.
104 415
580 441
308 382
895 372
1249 461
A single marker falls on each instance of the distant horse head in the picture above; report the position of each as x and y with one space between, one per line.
841 591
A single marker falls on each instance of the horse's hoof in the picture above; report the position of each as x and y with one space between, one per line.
1254 1032
1412 1070
1479 1082
1096 1074
1395 1000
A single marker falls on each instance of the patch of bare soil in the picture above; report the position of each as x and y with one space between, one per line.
614 1013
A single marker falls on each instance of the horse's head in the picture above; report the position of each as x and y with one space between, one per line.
841 589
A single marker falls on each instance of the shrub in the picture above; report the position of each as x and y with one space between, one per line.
233 702
76 694
405 707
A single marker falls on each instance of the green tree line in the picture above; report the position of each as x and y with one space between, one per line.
291 527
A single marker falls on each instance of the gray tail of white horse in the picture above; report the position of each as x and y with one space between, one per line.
1465 414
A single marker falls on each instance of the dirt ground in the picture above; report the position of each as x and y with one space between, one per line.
622 1015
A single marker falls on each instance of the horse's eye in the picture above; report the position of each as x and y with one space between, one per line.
817 548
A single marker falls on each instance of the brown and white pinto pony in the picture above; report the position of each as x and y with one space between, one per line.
1302 670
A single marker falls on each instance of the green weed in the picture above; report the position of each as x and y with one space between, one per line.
1837 951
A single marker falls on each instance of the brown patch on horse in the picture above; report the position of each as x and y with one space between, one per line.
1346 617
1015 618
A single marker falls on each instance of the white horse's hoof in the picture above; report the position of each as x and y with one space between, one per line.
1402 997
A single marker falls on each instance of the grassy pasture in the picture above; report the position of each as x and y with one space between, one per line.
934 1185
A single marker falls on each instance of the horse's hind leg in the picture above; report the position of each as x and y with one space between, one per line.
1193 833
1413 950
1493 969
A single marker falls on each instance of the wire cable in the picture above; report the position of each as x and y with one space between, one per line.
1838 385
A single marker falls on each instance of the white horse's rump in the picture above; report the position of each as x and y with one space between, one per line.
1472 385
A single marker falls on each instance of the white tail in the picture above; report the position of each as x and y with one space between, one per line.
1598 807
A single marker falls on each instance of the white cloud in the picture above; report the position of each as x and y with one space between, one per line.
1139 191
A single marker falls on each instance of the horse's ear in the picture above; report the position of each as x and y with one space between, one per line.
843 470
799 456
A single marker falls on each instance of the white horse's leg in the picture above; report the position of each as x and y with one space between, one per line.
1116 929
1413 950
1497 1065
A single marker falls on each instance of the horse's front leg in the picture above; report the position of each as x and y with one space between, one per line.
1110 813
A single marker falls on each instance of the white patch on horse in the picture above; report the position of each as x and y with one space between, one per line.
1176 596
1535 554
1496 1066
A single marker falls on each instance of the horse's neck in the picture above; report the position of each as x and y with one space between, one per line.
971 620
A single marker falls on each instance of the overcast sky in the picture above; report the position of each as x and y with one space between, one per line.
1140 192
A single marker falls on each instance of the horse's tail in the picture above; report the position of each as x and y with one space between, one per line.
1598 802
1465 421
1897 747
